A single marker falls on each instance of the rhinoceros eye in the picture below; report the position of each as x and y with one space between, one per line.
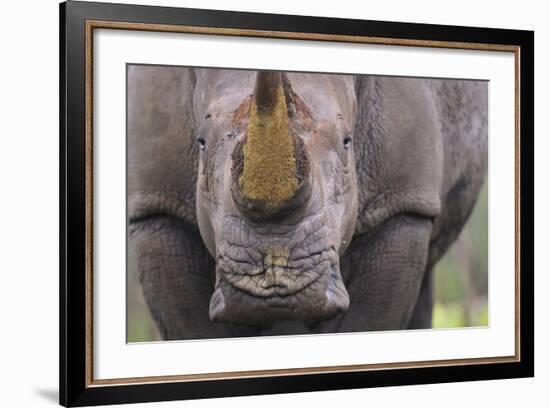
201 142
347 142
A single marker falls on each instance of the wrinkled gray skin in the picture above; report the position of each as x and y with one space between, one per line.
383 209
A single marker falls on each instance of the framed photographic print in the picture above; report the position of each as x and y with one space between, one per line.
256 203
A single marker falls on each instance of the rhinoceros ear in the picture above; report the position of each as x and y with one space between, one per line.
162 151
398 150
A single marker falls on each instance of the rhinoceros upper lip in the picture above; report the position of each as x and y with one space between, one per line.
253 278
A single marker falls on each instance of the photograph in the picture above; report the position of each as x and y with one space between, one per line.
266 203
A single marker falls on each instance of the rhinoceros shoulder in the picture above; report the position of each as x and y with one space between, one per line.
162 151
398 150
420 147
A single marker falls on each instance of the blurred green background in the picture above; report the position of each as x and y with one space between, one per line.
460 282
461 276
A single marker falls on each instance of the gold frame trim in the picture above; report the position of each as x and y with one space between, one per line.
93 24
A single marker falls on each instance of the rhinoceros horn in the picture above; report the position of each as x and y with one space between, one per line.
272 169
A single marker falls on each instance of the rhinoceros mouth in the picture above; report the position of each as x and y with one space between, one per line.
293 275
278 275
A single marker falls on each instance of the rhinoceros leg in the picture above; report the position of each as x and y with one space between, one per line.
177 277
383 272
422 314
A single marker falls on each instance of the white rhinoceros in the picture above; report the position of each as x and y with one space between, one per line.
286 203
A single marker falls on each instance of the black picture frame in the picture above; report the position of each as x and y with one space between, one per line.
76 385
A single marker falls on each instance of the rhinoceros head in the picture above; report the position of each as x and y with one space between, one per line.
276 192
